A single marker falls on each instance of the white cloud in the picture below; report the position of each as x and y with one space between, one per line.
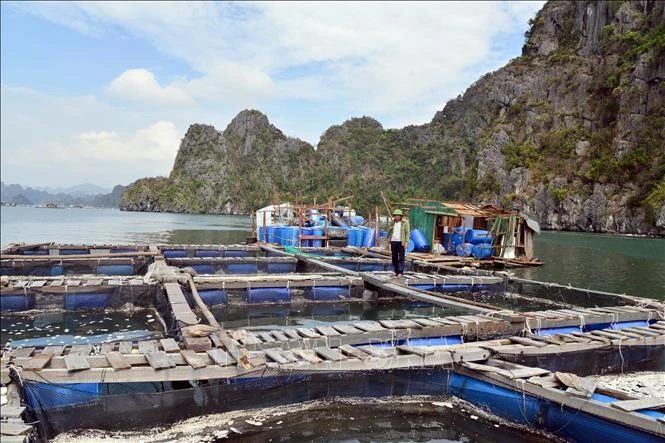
141 86
103 156
394 58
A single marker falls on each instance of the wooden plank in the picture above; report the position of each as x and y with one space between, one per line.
308 333
84 349
275 355
279 335
198 344
368 326
376 351
266 337
117 361
347 329
12 411
328 331
73 282
36 362
289 355
308 355
609 335
53 350
194 360
169 345
221 357
330 354
354 352
37 283
125 347
399 324
107 347
292 333
527 342
526 372
76 362
15 428
159 360
250 339
426 322
418 350
22 352
147 346
639 404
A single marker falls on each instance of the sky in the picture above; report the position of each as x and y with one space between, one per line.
103 92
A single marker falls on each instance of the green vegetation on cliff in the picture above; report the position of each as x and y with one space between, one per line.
570 132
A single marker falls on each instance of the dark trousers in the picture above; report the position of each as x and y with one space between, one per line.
397 250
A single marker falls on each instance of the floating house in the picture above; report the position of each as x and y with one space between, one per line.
465 229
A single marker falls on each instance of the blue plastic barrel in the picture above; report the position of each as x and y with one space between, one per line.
352 233
456 239
383 234
477 236
464 250
481 251
306 231
319 232
361 236
272 230
419 241
262 235
369 239
411 247
358 220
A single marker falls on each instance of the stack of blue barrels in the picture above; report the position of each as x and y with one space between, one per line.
478 243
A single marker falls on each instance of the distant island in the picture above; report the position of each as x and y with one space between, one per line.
79 195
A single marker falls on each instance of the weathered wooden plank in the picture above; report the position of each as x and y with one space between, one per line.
609 335
308 333
376 351
197 344
328 331
37 283
73 282
526 372
125 347
645 331
22 352
279 335
194 360
117 361
147 346
292 333
221 357
53 350
418 350
169 345
347 329
15 428
289 355
159 360
250 339
84 349
639 404
76 362
399 324
36 362
368 326
307 354
275 355
354 352
12 411
266 337
107 347
426 322
330 354
527 342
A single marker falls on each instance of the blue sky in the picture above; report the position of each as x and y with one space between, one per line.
103 92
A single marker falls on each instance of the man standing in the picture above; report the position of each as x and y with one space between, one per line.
399 235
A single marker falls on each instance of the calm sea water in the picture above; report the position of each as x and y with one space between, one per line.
623 264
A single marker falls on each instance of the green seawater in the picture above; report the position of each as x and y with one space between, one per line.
614 263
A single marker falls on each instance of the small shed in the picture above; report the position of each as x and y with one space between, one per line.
512 233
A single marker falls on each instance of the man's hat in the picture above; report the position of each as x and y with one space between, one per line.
398 212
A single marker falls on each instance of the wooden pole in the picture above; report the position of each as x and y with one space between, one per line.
77 256
241 355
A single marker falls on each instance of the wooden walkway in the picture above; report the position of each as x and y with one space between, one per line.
324 348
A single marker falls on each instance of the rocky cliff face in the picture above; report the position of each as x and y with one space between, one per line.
571 132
